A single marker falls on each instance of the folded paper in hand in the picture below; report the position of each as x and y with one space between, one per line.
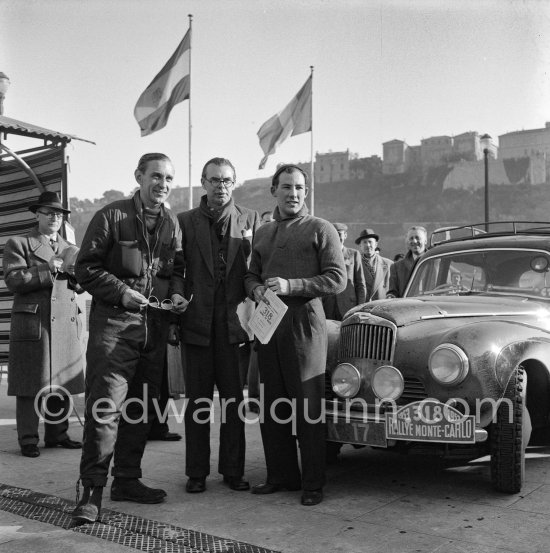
267 316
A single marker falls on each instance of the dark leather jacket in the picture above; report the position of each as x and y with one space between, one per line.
115 254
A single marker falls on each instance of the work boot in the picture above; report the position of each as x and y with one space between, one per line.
131 489
89 507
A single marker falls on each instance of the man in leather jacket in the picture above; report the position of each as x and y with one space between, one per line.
131 256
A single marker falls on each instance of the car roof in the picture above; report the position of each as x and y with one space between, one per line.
503 230
521 240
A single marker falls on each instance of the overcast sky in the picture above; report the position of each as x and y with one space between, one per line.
383 69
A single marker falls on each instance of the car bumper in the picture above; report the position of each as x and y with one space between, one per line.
385 429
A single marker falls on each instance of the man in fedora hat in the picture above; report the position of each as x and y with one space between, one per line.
375 267
45 359
337 305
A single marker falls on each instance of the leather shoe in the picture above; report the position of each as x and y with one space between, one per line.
67 443
30 450
168 437
236 483
131 489
89 507
195 485
267 488
312 497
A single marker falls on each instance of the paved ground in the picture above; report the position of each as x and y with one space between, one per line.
375 502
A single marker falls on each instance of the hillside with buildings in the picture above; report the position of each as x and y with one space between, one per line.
437 183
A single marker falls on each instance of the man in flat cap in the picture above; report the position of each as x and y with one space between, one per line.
375 267
337 305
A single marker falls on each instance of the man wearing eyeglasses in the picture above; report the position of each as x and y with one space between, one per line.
45 348
131 251
217 239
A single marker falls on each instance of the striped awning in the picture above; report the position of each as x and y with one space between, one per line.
13 126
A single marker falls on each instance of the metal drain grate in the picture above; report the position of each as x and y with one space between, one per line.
140 533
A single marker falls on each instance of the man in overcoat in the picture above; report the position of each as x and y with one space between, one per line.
416 241
337 305
375 267
217 241
45 358
299 258
130 261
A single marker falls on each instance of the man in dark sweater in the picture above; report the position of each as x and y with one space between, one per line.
298 257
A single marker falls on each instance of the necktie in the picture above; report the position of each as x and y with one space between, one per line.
53 244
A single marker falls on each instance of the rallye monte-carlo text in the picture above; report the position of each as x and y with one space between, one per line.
459 366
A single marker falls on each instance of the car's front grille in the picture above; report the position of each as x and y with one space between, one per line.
366 341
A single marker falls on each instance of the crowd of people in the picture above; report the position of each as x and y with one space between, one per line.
158 278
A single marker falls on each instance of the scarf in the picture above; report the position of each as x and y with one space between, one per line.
371 267
218 217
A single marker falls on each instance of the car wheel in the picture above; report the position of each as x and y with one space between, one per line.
510 436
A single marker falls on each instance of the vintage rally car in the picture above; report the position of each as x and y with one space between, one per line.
460 366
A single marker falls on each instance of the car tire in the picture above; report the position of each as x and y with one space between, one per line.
510 436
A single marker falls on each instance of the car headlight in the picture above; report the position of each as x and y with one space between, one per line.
346 380
448 364
387 383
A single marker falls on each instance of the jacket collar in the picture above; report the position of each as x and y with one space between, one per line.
202 228
40 246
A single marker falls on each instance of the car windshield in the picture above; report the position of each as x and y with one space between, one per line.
492 271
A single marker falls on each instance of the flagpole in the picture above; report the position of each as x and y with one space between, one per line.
190 126
312 168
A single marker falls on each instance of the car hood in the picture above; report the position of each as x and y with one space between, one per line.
403 311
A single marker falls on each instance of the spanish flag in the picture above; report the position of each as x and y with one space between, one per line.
168 88
294 119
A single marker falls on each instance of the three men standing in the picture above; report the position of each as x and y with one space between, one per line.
375 267
217 242
299 257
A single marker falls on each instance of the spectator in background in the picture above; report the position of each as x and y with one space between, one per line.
416 241
375 267
266 217
337 305
45 351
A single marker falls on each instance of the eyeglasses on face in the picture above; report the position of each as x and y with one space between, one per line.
52 214
215 181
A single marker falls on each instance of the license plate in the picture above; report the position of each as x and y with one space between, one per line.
430 421
357 432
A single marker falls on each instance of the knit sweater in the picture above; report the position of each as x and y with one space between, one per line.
304 250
